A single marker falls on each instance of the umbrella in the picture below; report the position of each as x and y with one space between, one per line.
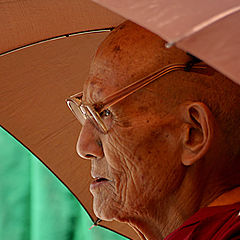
36 80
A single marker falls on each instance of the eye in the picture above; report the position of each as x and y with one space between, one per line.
105 113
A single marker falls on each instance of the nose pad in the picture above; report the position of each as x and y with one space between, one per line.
89 145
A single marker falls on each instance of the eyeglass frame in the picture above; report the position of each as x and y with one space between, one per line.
93 111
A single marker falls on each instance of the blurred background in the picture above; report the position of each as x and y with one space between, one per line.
34 204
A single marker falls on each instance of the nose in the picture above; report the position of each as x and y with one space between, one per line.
89 145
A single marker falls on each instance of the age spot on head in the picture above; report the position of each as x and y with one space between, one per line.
126 124
143 109
116 48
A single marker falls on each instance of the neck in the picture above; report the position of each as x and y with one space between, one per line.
149 228
168 215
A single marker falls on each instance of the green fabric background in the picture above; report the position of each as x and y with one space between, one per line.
34 204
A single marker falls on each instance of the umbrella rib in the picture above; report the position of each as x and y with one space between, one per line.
56 38
204 24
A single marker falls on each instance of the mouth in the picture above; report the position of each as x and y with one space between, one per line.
98 182
100 179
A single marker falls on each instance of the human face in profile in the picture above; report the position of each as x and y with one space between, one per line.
132 163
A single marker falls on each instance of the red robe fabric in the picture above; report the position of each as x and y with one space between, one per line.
215 223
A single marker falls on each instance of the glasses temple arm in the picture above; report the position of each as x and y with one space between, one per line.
130 89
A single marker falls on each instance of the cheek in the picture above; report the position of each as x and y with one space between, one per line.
145 167
120 156
111 201
119 150
160 170
158 151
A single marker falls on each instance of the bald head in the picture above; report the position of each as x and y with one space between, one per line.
133 52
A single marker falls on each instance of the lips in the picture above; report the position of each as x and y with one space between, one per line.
98 182
100 179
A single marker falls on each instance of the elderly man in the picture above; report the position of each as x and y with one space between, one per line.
165 148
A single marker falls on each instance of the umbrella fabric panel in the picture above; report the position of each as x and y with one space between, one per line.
37 80
24 22
171 19
34 85
36 205
218 45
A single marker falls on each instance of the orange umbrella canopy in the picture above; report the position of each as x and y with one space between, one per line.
36 80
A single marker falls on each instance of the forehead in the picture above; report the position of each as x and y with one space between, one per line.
118 62
128 54
113 71
101 82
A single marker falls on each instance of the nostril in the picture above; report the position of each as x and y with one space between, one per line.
89 156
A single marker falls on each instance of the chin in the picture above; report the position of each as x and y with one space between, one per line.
102 210
107 211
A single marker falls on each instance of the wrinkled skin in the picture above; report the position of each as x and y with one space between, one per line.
130 159
151 153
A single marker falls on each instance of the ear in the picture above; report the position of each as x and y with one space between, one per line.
197 132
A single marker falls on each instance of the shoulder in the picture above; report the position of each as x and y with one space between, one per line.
216 223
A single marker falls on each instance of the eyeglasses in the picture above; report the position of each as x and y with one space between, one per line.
94 112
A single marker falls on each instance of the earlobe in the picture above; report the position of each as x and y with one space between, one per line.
197 132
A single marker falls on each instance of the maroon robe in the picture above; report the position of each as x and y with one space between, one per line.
215 223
